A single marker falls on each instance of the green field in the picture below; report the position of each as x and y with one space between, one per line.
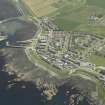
98 60
70 18
99 30
69 14
64 24
100 3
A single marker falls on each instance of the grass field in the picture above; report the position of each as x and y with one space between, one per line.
69 14
66 24
98 60
99 3
71 19
99 30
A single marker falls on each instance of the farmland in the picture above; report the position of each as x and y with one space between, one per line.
69 14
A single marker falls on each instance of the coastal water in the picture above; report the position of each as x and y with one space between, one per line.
62 98
17 94
26 93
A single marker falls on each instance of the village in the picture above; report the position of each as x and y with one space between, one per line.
68 50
